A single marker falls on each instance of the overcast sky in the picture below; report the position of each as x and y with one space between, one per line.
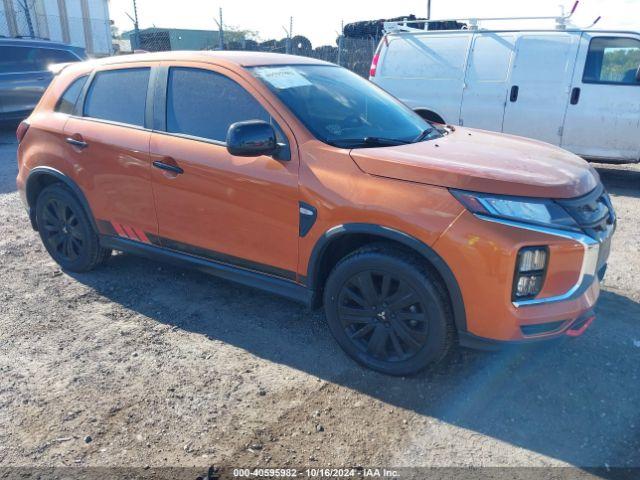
320 20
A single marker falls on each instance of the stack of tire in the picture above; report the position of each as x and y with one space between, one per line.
374 28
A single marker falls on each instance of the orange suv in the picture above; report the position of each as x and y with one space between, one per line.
301 178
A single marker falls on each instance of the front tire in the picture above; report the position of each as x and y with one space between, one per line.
66 231
388 311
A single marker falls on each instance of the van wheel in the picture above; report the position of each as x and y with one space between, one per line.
387 311
66 231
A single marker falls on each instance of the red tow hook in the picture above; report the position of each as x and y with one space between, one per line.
582 325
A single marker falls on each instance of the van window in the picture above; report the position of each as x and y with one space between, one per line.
612 61
68 100
202 103
118 96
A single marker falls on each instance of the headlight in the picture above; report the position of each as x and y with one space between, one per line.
537 211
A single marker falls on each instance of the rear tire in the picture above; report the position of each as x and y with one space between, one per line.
66 231
388 311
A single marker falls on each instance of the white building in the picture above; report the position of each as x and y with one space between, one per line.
83 23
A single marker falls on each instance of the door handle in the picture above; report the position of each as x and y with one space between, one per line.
513 96
575 96
168 167
76 143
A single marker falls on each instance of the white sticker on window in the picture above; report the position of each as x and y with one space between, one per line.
282 77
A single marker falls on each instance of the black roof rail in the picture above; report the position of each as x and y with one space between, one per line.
30 37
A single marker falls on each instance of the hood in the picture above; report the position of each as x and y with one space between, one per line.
483 161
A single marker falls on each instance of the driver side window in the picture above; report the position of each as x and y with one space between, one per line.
612 60
203 104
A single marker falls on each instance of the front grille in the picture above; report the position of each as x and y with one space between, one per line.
593 212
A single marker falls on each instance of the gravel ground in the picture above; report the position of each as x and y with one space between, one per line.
141 364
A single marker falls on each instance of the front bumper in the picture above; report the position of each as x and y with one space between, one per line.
481 253
594 258
573 329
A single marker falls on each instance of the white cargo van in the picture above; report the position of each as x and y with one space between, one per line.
579 89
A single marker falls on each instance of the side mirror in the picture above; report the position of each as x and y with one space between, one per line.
251 139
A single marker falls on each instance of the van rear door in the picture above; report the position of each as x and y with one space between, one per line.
485 89
540 82
603 116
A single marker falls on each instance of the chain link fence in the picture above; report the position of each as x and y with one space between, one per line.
94 35
352 53
353 49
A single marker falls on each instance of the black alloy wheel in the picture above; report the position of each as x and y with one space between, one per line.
61 230
383 315
66 231
388 310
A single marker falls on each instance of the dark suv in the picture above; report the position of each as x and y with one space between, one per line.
25 75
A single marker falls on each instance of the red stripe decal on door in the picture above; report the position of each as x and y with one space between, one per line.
131 233
118 229
142 236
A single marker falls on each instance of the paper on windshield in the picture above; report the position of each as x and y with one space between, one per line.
282 77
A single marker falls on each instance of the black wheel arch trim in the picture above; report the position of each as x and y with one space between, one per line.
38 172
334 233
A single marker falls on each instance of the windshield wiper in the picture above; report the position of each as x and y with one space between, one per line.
424 135
384 141
367 142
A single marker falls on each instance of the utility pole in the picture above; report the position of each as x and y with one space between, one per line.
289 35
428 9
340 43
221 34
220 30
136 27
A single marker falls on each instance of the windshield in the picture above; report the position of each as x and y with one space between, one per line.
342 109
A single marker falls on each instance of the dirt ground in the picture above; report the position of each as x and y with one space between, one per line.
142 364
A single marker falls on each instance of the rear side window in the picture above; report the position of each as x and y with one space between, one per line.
118 96
612 60
49 56
202 103
32 59
17 60
69 98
